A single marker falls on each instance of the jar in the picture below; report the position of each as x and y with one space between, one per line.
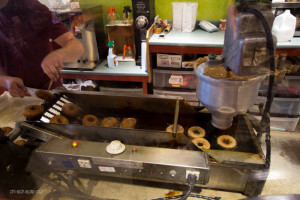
222 25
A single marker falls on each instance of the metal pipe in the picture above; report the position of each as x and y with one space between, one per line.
174 131
38 133
15 134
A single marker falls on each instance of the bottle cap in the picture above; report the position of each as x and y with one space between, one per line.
127 10
110 44
111 11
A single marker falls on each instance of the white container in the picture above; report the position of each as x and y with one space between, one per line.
144 56
282 123
284 26
174 79
189 16
280 105
184 16
177 15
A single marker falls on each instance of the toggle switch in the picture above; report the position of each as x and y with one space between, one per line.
172 173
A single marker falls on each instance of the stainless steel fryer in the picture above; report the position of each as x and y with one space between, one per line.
151 153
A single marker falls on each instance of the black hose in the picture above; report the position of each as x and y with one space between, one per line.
191 183
265 121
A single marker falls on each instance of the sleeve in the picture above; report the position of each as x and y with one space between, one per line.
42 19
2 68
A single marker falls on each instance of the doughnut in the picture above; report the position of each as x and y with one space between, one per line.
33 111
226 141
71 110
128 123
90 120
196 132
109 122
180 129
6 130
20 143
201 143
44 94
59 119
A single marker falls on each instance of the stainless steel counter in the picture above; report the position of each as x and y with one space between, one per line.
124 69
200 38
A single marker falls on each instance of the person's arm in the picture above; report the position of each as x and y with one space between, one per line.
49 24
14 85
71 50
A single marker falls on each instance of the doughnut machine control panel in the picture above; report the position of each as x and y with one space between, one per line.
138 162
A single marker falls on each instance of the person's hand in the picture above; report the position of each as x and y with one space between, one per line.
15 86
52 64
77 21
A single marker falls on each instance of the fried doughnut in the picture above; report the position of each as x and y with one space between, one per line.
196 132
226 141
71 110
33 111
201 143
20 143
6 130
109 122
90 120
44 94
128 123
59 119
180 129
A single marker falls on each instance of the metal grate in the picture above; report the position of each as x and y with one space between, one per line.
56 109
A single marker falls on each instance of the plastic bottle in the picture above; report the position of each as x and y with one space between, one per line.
127 50
112 16
111 58
284 26
127 15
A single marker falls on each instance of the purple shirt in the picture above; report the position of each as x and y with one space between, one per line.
26 26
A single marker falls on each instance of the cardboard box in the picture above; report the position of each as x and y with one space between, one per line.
169 60
122 34
188 64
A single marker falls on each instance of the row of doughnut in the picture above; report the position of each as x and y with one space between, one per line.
71 110
197 134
